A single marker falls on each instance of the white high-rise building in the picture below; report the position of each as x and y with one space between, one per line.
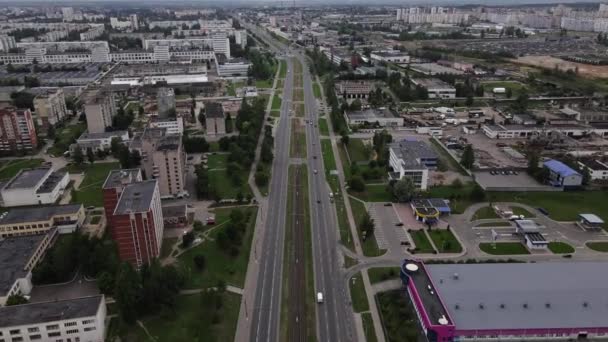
221 44
134 21
6 42
68 13
240 37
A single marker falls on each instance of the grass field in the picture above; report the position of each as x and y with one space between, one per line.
601 246
282 69
225 186
374 193
328 156
316 89
369 246
217 161
459 196
399 320
445 241
167 247
504 248
185 326
357 293
89 191
516 87
65 137
484 213
422 242
560 248
494 224
221 266
276 101
358 151
323 128
521 211
368 327
261 84
11 168
380 274
275 113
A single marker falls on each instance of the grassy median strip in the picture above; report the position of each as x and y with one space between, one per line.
323 128
357 293
298 298
298 139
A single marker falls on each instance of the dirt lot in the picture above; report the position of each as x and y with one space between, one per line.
548 62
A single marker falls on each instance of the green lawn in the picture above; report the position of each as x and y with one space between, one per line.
221 266
316 89
421 241
368 327
344 159
521 211
380 274
10 169
323 128
399 320
186 325
328 155
260 84
484 213
445 241
369 246
225 186
217 161
357 293
516 87
601 246
275 113
560 248
282 69
504 248
458 196
276 101
65 137
358 151
495 224
89 191
374 193
346 236
562 206
167 246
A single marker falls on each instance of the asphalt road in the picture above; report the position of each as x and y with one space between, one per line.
334 316
267 308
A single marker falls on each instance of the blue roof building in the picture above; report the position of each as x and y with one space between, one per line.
561 175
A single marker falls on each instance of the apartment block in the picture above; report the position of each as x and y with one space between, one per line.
136 219
17 130
50 108
99 107
165 98
163 158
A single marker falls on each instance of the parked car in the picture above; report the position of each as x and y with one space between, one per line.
400 224
543 211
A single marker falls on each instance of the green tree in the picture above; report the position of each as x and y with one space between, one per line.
115 146
105 283
468 157
187 239
477 193
356 183
403 189
367 225
127 292
261 178
78 156
345 139
200 262
16 299
90 155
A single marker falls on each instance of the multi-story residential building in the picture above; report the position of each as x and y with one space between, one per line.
99 108
7 43
165 98
93 33
240 37
17 130
34 186
18 256
163 158
80 319
215 120
65 218
50 108
134 21
67 13
113 186
136 221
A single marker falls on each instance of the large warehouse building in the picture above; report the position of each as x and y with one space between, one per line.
511 301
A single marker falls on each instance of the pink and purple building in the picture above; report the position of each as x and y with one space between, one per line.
510 301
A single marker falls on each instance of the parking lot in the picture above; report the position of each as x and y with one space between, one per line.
389 233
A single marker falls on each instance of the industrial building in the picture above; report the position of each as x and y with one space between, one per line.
508 301
382 117
436 88
215 120
80 319
34 186
563 176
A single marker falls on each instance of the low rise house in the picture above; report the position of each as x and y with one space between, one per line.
65 218
18 257
34 186
101 141
80 319
176 216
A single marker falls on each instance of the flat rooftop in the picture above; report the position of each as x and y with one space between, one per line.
174 211
101 135
411 151
51 182
27 178
136 198
15 252
169 142
431 302
371 114
44 312
524 295
38 213
119 177
431 83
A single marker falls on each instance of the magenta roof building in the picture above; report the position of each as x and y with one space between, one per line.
523 301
